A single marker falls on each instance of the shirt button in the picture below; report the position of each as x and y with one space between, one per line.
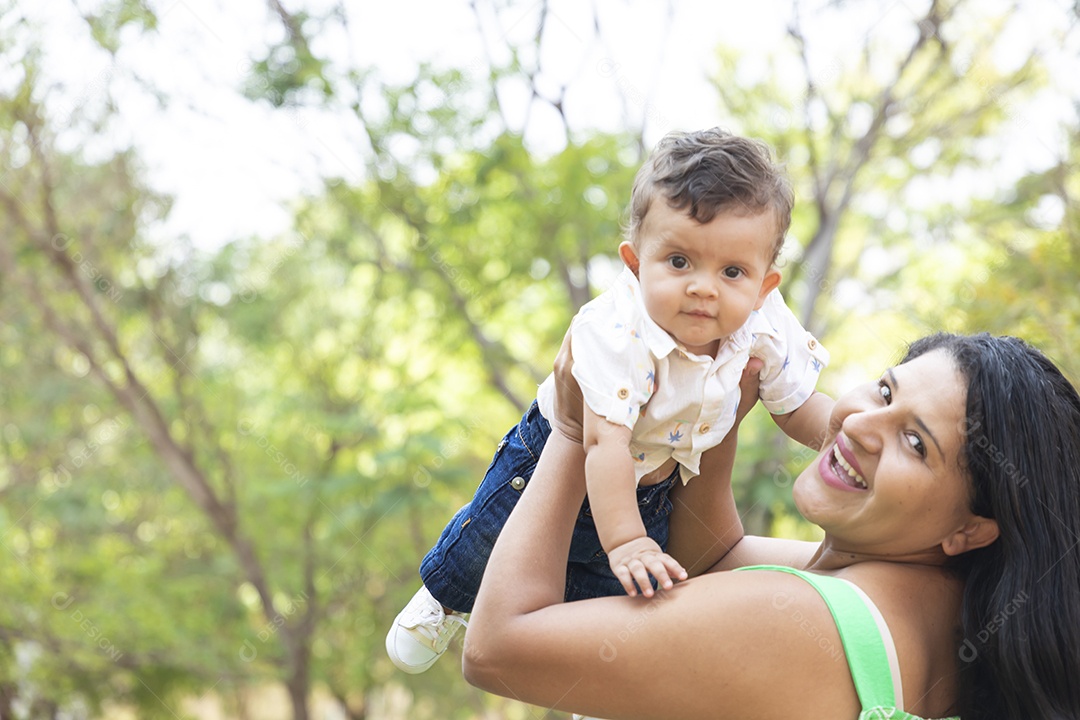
623 393
517 483
705 428
811 343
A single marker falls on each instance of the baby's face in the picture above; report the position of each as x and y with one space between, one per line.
701 282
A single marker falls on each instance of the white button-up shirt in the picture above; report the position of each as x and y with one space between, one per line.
678 404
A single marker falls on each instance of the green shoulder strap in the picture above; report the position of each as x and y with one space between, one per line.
859 634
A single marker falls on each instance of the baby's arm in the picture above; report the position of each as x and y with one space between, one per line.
609 478
808 423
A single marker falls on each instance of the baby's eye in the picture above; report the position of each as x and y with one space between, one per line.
732 273
679 262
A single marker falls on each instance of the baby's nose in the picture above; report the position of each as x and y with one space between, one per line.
702 288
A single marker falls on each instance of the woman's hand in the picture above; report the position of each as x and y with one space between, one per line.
636 559
569 401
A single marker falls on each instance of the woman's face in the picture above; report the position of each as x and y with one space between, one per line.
889 479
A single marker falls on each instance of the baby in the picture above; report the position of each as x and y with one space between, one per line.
658 359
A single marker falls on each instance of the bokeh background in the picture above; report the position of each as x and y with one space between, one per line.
276 276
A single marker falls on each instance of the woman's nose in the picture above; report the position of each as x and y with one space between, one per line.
864 427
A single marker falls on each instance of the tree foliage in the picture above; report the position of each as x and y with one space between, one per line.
220 467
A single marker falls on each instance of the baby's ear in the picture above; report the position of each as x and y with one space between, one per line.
769 283
629 256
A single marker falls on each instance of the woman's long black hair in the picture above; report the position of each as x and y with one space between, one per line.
1019 653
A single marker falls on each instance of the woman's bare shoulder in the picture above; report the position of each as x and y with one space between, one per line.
775 648
909 593
921 606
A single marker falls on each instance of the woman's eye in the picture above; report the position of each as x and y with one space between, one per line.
917 444
886 392
732 273
678 262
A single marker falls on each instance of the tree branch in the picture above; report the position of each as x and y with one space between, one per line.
818 254
489 349
292 28
136 397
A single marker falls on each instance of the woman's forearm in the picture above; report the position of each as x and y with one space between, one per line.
754 550
705 522
522 574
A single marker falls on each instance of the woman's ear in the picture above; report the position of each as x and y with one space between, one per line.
629 256
976 533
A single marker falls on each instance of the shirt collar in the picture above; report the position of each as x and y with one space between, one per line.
758 323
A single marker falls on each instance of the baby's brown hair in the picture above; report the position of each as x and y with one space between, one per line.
712 171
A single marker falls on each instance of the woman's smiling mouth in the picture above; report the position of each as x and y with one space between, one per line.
839 470
841 464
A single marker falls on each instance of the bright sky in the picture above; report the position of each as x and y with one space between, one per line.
233 166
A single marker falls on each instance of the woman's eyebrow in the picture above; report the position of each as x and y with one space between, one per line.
918 420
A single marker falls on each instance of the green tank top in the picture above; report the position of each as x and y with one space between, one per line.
863 645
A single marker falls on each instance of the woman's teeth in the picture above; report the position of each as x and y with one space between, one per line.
856 478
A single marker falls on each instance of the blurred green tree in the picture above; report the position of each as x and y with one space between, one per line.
222 467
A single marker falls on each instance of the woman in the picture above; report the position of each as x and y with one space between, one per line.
948 491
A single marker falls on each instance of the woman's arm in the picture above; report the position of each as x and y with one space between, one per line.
727 645
755 550
706 533
705 522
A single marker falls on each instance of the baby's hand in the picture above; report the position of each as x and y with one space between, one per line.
636 559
